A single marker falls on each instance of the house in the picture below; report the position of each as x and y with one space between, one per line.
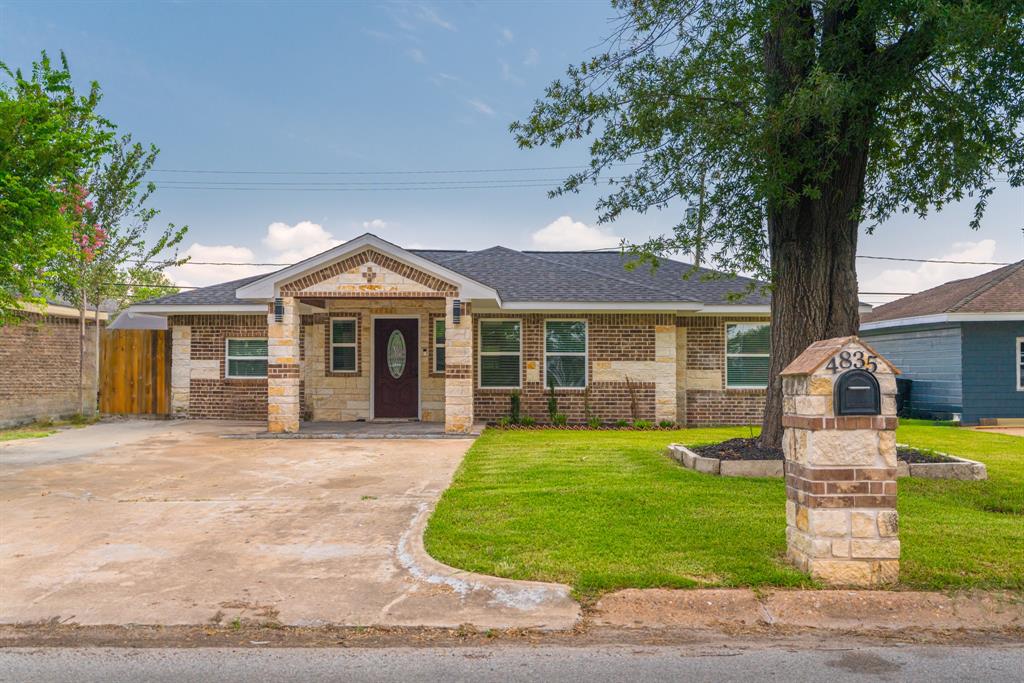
370 331
961 344
39 360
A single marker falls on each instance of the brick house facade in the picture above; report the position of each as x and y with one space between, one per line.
369 329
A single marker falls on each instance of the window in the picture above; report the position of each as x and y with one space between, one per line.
565 353
501 350
343 345
747 353
246 358
439 326
1020 363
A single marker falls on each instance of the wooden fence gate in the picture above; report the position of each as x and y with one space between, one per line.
135 372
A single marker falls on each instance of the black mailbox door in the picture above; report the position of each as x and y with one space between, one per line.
857 393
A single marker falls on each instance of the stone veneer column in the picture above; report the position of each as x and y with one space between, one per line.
841 519
181 368
283 369
458 374
665 375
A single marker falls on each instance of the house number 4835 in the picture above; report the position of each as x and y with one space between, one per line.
845 360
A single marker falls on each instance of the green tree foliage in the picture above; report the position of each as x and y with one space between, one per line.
48 133
798 124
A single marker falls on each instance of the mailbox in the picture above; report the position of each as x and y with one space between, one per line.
857 393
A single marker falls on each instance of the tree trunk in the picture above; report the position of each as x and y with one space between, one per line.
814 276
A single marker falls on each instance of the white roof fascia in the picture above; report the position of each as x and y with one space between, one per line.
737 309
615 306
266 288
196 309
938 318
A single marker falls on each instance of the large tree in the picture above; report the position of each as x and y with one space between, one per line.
798 124
48 134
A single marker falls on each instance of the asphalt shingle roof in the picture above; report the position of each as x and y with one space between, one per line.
997 291
531 276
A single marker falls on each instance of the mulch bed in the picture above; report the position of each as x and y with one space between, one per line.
749 449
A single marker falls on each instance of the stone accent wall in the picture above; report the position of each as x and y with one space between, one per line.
283 368
39 368
340 396
638 346
369 274
459 404
841 519
199 386
702 398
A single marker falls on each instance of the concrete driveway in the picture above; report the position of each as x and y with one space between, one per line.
175 525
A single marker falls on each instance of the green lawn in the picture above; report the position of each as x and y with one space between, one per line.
607 510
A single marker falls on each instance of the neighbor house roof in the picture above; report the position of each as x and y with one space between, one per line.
562 276
1000 291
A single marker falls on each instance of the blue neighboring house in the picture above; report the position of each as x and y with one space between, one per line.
961 344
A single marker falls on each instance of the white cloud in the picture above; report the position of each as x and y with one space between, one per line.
532 57
507 75
201 274
506 36
377 224
430 16
480 106
916 278
417 55
293 243
565 233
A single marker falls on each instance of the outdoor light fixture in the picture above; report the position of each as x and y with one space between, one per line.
278 309
456 311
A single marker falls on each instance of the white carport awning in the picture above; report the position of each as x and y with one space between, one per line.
129 320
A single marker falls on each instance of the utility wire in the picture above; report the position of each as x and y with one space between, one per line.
935 260
387 172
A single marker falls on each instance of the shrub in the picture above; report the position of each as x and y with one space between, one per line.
559 419
527 421
552 400
504 422
666 424
634 404
515 400
621 423
594 423
641 424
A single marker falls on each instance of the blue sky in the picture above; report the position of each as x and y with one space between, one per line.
383 87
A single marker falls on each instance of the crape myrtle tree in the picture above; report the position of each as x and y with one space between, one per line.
797 124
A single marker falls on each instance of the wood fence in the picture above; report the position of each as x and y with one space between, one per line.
135 372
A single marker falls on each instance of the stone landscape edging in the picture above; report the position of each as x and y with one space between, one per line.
962 469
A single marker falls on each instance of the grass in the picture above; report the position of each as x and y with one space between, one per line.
42 428
607 510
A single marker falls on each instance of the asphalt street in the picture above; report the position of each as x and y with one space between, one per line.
516 663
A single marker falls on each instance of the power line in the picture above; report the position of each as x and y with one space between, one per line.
349 183
388 172
353 189
935 260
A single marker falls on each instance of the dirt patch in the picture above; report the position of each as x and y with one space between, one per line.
739 449
921 457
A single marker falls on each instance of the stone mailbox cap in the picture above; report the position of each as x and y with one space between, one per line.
819 353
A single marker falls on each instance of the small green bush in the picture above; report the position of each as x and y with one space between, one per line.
527 421
515 401
641 424
559 419
504 422
621 423
552 399
666 424
594 423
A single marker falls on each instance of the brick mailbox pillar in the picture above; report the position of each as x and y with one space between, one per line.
839 414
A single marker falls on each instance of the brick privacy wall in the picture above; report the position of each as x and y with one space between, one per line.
39 368
221 398
705 353
612 337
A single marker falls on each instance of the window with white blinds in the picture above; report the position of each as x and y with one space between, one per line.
343 345
501 352
747 355
245 358
565 353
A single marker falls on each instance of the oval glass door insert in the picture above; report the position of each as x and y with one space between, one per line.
396 354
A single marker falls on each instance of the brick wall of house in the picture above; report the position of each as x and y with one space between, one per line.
621 345
210 394
39 368
702 397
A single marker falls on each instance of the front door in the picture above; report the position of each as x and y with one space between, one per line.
396 367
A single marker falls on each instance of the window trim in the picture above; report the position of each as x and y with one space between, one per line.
228 357
443 345
1018 350
354 344
727 356
585 354
481 353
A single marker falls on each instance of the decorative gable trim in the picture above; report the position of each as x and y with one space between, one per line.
368 283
